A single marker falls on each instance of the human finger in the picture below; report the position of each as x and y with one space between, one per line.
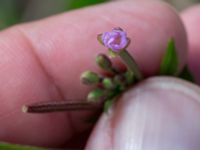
159 113
43 61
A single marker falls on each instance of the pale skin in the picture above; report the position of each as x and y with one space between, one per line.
43 60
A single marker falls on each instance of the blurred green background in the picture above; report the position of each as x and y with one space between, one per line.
17 11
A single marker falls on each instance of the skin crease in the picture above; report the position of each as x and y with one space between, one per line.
37 60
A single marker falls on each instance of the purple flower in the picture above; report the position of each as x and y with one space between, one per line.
115 40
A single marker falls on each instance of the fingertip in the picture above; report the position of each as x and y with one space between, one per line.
159 113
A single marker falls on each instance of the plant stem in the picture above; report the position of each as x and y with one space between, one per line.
131 64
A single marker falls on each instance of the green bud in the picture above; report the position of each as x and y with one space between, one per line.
130 78
108 83
89 77
95 95
104 62
108 104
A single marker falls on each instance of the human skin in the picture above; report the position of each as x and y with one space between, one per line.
42 61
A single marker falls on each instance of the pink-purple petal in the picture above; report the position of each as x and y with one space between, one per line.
115 40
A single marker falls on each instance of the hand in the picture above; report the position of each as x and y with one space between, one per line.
43 60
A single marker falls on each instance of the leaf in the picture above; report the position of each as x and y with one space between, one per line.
74 4
169 63
11 12
8 146
186 74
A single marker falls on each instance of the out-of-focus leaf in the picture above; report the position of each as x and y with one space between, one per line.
8 146
186 74
82 3
11 12
169 64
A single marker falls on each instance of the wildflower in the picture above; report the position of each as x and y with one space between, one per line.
116 40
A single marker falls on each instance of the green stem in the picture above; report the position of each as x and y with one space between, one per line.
131 64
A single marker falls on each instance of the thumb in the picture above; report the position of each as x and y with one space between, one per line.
160 113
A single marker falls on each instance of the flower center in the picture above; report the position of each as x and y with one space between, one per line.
117 40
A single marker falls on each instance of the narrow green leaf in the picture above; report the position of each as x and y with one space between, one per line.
186 74
8 146
169 63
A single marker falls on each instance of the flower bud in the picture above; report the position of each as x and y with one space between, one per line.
89 77
130 78
108 104
95 95
104 62
108 83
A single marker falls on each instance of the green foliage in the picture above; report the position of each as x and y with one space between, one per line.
16 11
11 12
74 4
7 146
186 75
169 63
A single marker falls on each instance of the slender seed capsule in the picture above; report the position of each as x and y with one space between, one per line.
95 95
89 78
57 106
